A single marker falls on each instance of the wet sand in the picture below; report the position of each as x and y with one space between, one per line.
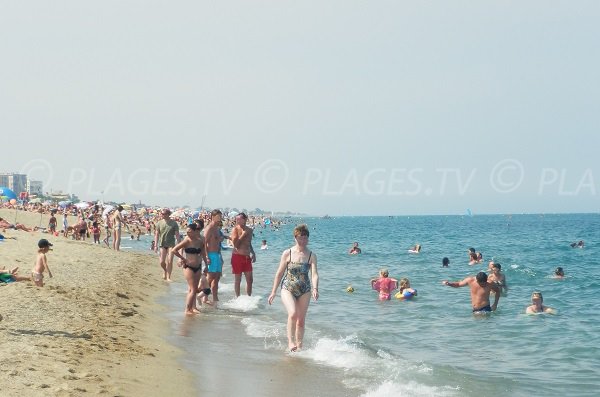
235 364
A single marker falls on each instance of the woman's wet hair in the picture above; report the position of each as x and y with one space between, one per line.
384 272
559 271
404 282
537 294
445 261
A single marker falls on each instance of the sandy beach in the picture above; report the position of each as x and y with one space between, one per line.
94 328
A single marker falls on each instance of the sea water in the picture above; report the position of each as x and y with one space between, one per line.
432 345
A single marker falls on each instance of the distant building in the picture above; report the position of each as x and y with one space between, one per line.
15 182
35 187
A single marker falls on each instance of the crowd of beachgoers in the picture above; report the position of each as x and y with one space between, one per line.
95 220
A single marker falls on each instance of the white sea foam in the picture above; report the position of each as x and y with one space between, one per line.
409 388
342 353
272 333
243 303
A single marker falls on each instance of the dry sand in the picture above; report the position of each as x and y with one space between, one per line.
94 328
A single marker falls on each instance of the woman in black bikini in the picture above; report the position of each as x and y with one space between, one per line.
193 246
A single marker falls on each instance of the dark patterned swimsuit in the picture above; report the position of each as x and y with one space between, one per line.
296 279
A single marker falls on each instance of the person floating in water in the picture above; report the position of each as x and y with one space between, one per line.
384 285
480 292
537 305
406 292
445 262
474 257
355 250
579 244
416 249
559 273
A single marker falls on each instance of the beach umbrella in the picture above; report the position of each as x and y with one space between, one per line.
126 206
35 201
63 204
231 214
7 193
82 205
47 203
178 214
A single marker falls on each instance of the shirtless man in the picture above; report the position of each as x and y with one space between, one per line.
497 277
355 250
480 292
243 255
213 250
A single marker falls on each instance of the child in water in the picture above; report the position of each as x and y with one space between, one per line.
406 292
384 284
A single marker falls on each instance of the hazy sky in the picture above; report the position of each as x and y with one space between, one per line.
323 107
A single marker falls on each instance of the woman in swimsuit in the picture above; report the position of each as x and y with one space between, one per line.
193 246
537 305
296 285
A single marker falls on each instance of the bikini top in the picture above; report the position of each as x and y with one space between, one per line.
193 250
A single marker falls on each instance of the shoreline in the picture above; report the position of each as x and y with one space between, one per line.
96 327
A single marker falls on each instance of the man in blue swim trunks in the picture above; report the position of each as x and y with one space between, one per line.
480 292
213 239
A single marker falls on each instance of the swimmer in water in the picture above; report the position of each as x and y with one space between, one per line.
406 292
559 273
416 249
355 250
537 306
496 276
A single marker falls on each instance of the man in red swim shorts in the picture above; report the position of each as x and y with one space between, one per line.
243 254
